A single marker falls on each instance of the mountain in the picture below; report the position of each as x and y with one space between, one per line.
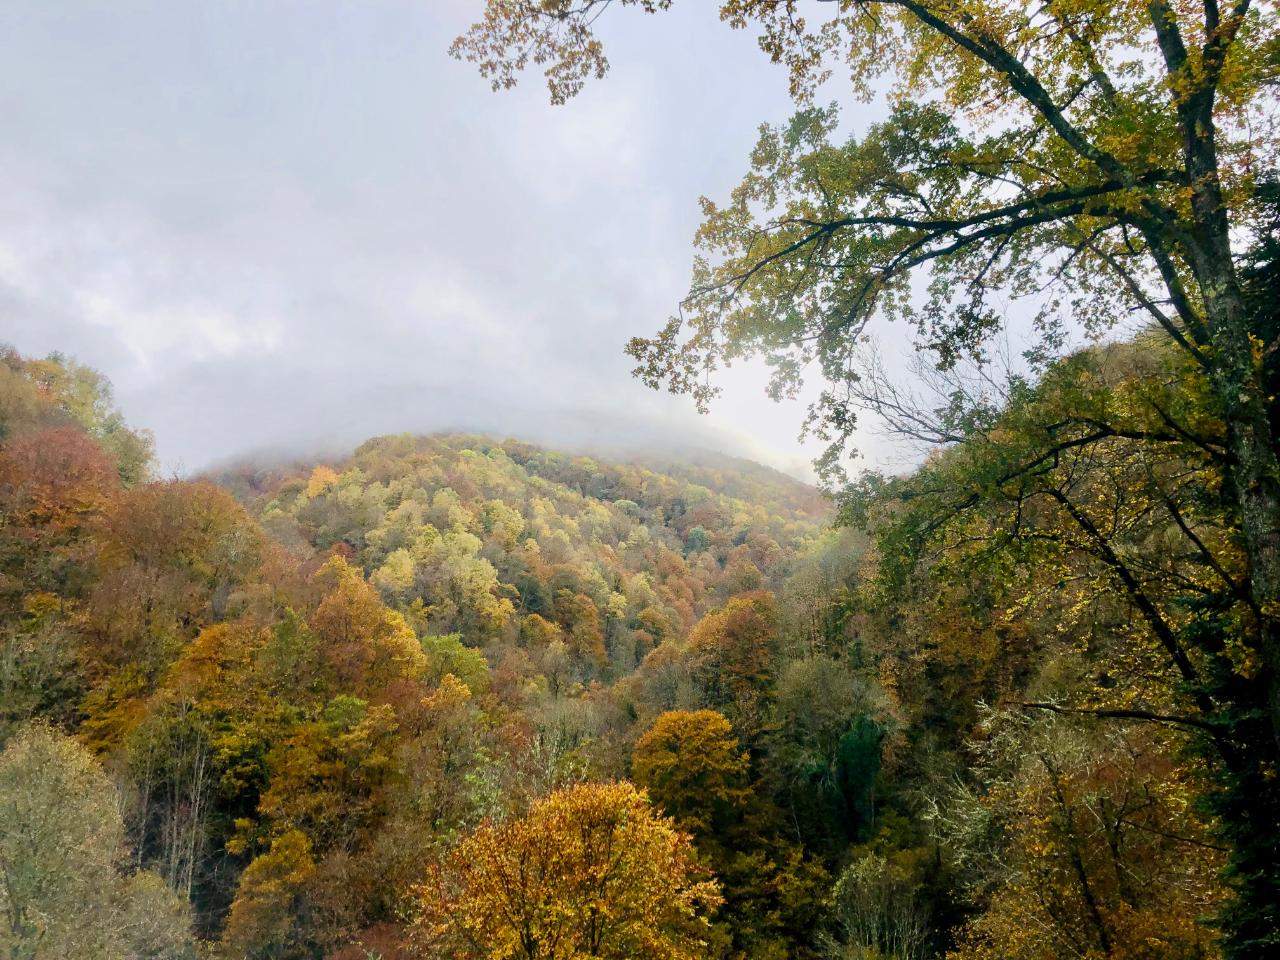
476 535
403 702
301 684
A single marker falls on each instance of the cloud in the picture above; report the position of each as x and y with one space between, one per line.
298 225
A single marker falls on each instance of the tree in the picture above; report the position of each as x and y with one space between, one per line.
877 913
731 653
170 556
690 763
365 645
590 871
329 777
57 391
64 891
38 675
824 749
1060 164
170 764
581 621
1081 839
1084 162
263 921
1095 507
53 484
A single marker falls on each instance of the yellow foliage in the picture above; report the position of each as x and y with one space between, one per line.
590 871
690 762
262 914
321 481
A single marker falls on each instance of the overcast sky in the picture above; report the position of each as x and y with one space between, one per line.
295 225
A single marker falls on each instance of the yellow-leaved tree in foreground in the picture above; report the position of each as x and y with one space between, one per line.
592 870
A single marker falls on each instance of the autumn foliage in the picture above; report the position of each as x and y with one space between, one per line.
450 697
691 764
590 871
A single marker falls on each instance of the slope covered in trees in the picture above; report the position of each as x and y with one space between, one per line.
306 696
502 541
458 697
1041 173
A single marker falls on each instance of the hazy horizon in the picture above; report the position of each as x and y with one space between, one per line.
298 227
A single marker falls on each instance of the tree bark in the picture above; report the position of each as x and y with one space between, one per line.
1237 378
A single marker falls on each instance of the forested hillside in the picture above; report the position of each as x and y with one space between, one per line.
415 701
294 693
457 697
1068 214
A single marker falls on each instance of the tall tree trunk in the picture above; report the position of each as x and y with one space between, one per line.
1239 384
1248 803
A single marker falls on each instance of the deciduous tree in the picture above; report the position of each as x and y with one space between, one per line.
691 764
65 886
1083 163
590 871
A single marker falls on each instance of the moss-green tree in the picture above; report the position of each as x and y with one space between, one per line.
65 890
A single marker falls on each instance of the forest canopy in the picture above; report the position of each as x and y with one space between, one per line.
1063 169
468 697
337 704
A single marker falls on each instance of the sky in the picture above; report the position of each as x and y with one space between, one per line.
289 226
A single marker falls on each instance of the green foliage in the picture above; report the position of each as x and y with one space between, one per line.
447 655
824 750
451 632
65 889
472 537
877 911
309 695
1080 163
56 391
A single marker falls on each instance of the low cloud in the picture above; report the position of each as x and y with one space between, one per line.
292 227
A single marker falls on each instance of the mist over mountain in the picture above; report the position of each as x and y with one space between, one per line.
639 480
333 231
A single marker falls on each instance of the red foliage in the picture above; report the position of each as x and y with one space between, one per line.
53 480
